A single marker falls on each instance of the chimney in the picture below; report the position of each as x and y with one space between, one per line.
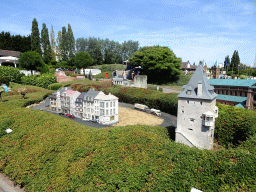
199 89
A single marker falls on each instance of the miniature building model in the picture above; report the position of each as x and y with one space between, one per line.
197 112
216 71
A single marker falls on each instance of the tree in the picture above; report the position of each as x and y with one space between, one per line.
35 38
83 60
52 38
31 60
63 45
128 48
235 61
70 43
227 59
58 46
47 55
160 64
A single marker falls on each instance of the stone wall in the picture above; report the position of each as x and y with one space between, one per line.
140 81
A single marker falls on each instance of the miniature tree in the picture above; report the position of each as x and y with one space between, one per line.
1 90
23 91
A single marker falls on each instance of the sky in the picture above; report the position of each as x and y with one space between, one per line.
194 29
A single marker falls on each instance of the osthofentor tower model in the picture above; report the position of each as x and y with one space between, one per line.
197 112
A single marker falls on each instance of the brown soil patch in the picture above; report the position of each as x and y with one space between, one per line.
128 116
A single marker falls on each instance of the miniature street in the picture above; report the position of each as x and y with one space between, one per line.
169 120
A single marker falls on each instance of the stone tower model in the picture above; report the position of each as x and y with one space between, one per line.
196 112
216 71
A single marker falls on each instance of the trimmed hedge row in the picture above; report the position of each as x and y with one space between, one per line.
234 125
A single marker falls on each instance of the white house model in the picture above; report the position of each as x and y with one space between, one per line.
93 105
196 112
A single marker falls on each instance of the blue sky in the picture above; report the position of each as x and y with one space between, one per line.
193 29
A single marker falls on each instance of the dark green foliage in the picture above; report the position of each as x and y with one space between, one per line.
31 60
55 86
47 56
83 60
11 74
160 64
228 63
70 42
234 125
235 61
15 42
64 45
43 80
35 38
5 80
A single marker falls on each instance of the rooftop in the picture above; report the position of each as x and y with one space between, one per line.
231 98
233 82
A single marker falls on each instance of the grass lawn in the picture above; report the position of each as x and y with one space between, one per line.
46 152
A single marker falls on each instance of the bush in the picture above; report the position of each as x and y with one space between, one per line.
41 81
234 125
55 86
11 72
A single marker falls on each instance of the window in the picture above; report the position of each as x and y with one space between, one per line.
114 111
201 103
102 112
106 104
107 112
182 111
110 111
190 129
110 104
114 103
102 104
187 101
91 110
88 109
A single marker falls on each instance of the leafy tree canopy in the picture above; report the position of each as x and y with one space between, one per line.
160 64
31 60
83 60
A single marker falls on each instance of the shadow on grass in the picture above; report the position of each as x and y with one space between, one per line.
171 132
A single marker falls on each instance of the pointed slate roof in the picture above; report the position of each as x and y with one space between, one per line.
203 63
198 77
216 64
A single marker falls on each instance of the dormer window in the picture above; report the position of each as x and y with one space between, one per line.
188 92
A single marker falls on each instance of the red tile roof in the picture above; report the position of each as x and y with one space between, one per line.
9 53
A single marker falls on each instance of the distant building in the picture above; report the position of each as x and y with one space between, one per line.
8 56
240 92
216 71
55 100
196 112
187 66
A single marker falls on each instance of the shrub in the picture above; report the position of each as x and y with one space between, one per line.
234 125
41 81
54 86
12 73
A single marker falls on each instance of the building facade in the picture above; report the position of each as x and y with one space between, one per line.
196 112
235 91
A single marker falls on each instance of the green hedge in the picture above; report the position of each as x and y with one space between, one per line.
11 72
40 81
55 86
234 125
